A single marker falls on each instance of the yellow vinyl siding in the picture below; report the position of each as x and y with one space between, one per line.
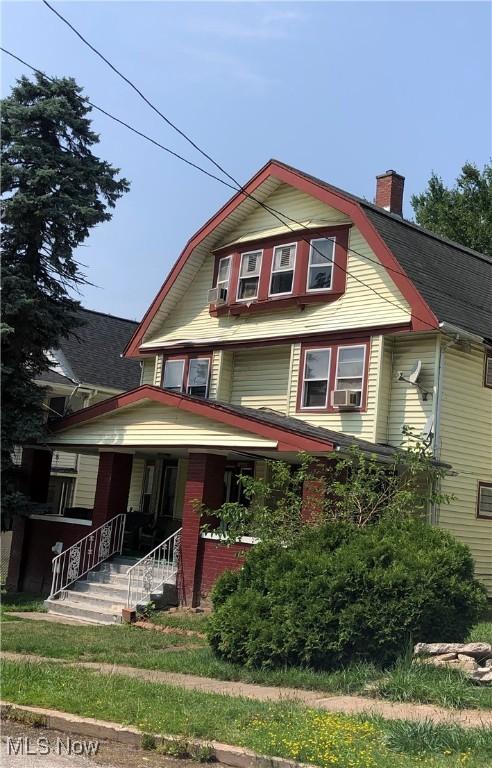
85 487
148 371
260 378
158 371
224 382
155 425
466 444
215 374
407 406
359 424
135 493
384 389
370 294
305 209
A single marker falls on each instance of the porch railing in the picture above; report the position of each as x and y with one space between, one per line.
149 574
87 553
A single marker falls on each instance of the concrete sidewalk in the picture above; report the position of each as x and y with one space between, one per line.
468 718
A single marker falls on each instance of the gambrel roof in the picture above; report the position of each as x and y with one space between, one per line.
442 281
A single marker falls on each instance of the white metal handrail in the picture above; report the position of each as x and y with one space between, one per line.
87 553
152 570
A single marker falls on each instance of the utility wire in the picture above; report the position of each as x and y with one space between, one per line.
279 215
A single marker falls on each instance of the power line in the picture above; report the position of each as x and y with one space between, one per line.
279 215
240 188
125 124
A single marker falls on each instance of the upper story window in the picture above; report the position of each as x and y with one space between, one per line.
223 277
279 271
187 374
316 378
349 376
320 268
249 275
333 377
283 265
487 379
484 505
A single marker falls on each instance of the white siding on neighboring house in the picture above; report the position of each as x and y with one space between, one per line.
135 493
85 487
466 444
260 377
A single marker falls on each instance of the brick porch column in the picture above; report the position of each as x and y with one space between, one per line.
314 491
112 487
35 473
204 484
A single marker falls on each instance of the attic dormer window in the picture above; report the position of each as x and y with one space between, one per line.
283 264
320 268
249 275
223 277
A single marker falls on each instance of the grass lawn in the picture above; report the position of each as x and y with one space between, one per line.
284 729
147 649
19 602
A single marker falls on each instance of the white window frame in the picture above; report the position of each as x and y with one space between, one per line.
311 251
278 271
364 356
224 283
259 251
482 485
174 360
306 352
188 376
488 362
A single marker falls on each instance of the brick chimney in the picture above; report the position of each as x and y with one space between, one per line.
389 192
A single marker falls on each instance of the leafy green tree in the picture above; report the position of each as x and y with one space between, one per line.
462 212
361 490
54 191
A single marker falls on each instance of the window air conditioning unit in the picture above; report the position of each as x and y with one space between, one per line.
217 296
346 398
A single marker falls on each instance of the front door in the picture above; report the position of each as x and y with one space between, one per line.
166 519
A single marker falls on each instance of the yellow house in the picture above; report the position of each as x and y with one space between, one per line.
299 317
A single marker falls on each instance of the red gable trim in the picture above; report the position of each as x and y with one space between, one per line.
287 439
422 316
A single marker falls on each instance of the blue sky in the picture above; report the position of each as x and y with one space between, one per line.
340 90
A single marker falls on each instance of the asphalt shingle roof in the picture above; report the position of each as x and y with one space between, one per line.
93 351
455 281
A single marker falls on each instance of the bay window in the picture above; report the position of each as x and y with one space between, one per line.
249 275
320 267
283 264
316 378
190 375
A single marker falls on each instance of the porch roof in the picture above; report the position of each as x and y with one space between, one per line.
171 418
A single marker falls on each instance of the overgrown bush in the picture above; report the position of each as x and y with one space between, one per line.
344 593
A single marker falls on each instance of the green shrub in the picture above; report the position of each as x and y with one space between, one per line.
344 594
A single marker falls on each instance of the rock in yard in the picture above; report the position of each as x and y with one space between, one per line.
477 650
466 663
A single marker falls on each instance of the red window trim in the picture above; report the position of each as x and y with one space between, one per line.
487 357
334 346
186 368
299 296
482 485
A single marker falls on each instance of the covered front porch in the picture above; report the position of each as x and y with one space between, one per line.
160 455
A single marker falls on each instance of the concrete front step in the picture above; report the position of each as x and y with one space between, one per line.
89 613
100 589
